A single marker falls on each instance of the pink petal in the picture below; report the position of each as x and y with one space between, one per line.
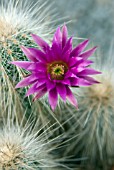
53 97
79 82
41 81
85 63
50 84
74 81
91 80
28 53
65 56
40 94
57 50
71 97
68 46
32 90
77 50
64 35
44 45
76 70
37 67
61 89
25 82
58 36
81 63
22 64
66 81
88 53
38 54
53 54
38 75
74 60
68 74
88 71
35 88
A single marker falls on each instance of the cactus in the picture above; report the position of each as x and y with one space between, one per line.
24 146
95 122
17 20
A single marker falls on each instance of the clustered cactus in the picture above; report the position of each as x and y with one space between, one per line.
32 135
94 122
17 21
23 145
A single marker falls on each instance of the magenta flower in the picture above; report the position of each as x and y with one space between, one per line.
57 68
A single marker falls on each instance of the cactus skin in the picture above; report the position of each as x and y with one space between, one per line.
90 129
95 122
10 41
26 144
22 147
18 19
10 75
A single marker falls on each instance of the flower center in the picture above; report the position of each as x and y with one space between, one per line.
57 69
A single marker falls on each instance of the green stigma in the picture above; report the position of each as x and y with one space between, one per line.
57 70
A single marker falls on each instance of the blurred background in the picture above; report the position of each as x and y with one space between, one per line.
92 19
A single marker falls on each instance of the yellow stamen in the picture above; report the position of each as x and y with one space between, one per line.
57 69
